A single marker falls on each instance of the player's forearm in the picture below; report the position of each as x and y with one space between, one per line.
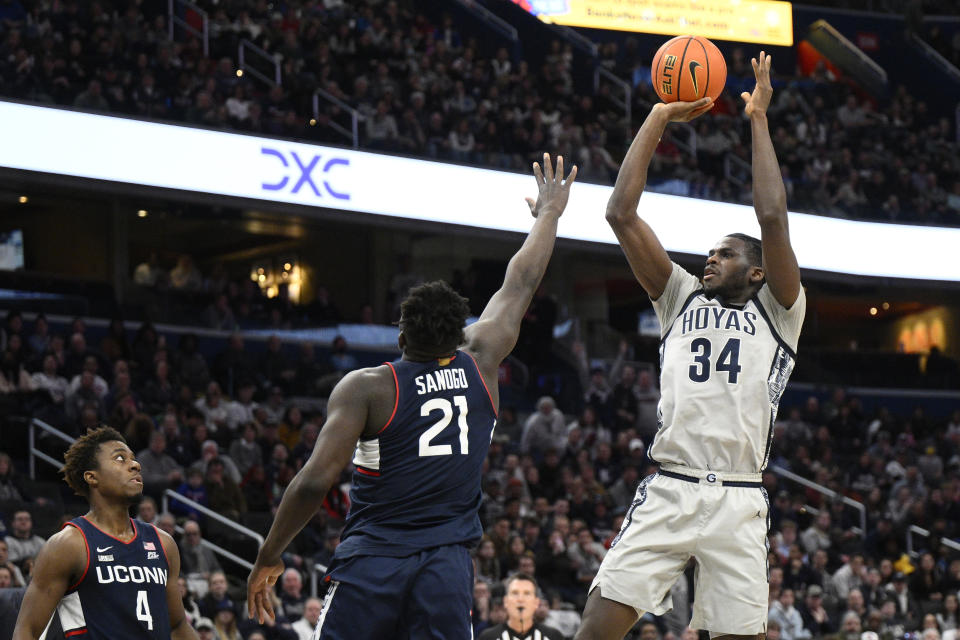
300 502
527 266
769 194
632 178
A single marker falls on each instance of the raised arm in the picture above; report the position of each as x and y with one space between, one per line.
780 266
494 335
648 260
346 418
60 563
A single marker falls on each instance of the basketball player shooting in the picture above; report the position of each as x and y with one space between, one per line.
418 430
728 347
104 574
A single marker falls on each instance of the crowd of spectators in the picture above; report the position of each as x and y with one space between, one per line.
555 489
423 86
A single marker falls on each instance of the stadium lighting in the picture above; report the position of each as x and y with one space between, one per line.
23 199
142 213
873 311
242 166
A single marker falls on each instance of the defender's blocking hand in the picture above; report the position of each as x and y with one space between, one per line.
759 100
553 189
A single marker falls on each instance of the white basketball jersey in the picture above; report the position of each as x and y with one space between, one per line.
723 370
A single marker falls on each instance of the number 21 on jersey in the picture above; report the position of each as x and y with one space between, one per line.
728 360
443 405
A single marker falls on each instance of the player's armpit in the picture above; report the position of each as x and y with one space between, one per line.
780 266
347 411
61 563
647 258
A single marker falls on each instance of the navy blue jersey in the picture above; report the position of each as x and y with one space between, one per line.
123 591
417 481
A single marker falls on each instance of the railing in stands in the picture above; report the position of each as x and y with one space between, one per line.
914 529
210 513
626 103
37 454
932 54
174 8
690 144
355 116
736 170
490 19
578 40
830 493
244 49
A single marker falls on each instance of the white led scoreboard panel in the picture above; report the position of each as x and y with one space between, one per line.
63 142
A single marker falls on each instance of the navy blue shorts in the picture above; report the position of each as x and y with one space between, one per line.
424 596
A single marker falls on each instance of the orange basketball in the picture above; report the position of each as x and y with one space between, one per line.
688 68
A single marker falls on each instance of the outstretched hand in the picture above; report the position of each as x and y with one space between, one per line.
759 100
261 581
685 111
553 189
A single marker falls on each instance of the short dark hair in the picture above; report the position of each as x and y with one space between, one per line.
522 576
82 457
432 317
754 248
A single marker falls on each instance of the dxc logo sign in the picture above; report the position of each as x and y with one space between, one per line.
306 169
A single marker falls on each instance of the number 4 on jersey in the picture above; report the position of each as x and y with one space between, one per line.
442 404
728 360
143 609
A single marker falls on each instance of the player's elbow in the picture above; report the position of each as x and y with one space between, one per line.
617 212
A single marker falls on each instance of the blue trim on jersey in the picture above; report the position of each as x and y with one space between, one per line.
639 498
686 303
773 330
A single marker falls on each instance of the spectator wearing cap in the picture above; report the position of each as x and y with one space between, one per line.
791 622
311 615
225 621
907 608
815 618
205 629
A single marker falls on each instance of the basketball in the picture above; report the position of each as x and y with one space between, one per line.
688 68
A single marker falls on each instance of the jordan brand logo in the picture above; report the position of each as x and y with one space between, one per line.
758 513
99 550
693 75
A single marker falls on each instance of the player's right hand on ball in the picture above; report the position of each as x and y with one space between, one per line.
685 111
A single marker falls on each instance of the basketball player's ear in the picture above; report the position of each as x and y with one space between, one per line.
756 274
401 341
90 477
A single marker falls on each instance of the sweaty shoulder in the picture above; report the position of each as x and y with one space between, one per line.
786 322
67 551
679 287
374 386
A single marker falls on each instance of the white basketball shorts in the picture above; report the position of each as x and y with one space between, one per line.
721 519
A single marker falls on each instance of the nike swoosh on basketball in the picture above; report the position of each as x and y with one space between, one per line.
99 550
693 74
